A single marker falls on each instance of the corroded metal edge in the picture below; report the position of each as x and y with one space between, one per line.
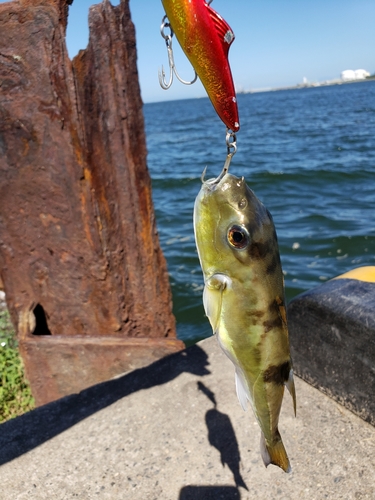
57 366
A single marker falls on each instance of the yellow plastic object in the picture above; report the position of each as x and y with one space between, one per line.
366 273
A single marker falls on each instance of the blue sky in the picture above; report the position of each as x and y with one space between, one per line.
278 42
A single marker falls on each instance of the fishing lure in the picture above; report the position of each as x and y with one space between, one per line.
205 38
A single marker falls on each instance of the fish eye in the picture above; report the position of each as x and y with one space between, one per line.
238 237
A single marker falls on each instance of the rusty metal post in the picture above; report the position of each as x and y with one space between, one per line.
85 279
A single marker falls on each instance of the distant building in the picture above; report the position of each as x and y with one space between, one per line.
361 74
349 75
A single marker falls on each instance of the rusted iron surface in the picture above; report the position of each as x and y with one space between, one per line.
112 116
60 365
79 250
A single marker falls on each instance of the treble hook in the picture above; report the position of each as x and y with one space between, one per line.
168 41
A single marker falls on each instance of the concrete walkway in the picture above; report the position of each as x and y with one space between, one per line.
175 430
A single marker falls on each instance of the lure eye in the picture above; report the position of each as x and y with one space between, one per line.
238 237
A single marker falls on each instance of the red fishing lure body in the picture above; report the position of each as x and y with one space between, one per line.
205 38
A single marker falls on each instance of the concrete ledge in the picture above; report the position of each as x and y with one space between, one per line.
332 331
174 430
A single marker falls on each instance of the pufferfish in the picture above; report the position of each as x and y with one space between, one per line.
244 300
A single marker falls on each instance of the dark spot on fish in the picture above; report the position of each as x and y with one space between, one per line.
259 250
254 317
262 340
274 307
281 310
272 323
271 268
278 315
277 374
257 355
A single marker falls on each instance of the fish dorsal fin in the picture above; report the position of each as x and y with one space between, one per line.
292 390
213 298
223 29
241 389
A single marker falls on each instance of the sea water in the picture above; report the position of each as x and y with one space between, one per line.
309 156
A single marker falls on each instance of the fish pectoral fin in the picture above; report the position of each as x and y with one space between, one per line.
292 390
274 453
241 389
213 298
223 29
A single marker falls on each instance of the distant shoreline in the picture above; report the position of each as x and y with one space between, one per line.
326 83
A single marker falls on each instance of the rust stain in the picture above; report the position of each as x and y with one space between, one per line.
48 219
85 200
145 205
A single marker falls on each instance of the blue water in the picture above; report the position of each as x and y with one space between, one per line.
308 154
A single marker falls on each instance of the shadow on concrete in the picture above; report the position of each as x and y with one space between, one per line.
207 392
221 435
209 493
24 433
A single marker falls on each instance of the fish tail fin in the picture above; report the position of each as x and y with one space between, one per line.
274 453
